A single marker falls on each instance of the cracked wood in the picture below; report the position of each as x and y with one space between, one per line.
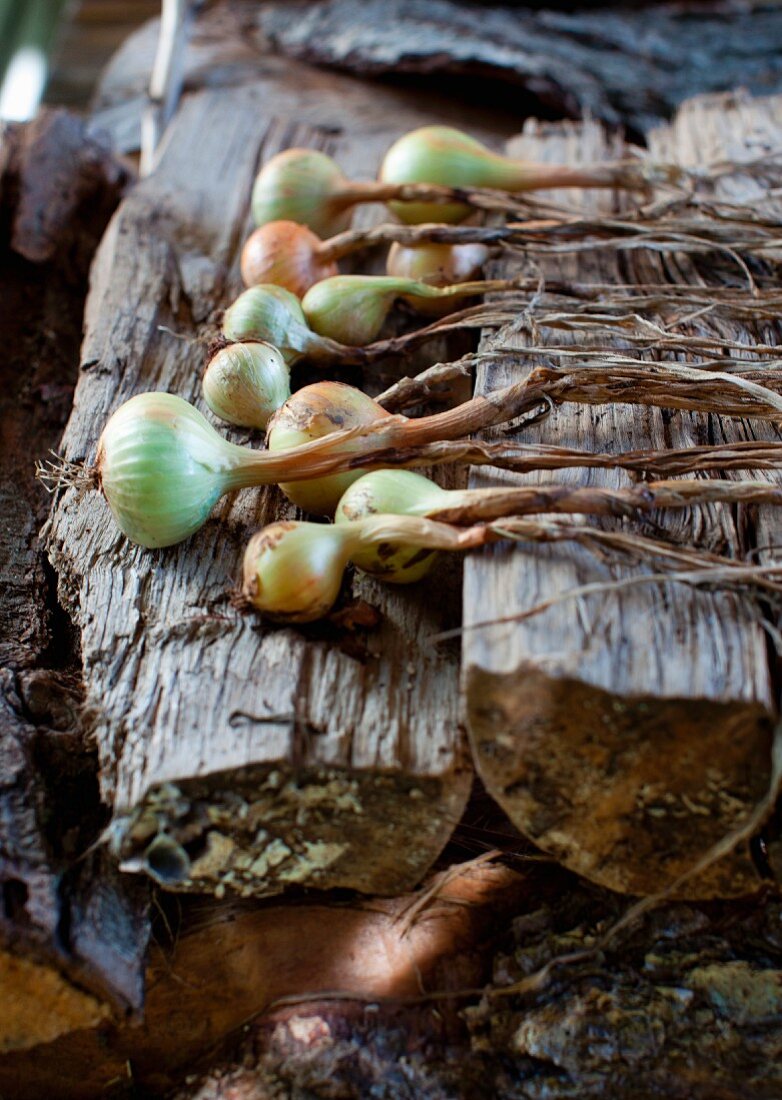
274 756
628 731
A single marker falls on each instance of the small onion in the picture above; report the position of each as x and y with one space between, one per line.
443 155
398 493
304 186
162 467
438 265
287 255
314 412
293 571
244 384
352 309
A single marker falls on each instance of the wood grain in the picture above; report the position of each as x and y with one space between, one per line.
227 49
278 757
628 731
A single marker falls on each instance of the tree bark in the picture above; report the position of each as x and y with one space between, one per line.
72 933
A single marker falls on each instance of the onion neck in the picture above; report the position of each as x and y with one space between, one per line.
416 531
533 177
458 290
342 450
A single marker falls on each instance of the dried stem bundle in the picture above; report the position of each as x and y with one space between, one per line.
526 458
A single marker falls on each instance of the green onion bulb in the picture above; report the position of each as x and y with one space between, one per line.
398 493
293 571
163 467
272 314
304 186
314 412
244 384
443 155
352 309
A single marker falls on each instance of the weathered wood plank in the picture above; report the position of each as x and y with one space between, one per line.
722 128
73 934
227 49
278 758
625 732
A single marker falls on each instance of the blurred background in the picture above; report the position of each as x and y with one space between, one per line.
52 51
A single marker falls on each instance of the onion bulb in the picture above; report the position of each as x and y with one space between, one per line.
162 467
398 493
352 309
293 571
286 254
244 384
314 412
443 155
437 265
304 186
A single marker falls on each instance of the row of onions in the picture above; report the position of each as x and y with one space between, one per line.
162 466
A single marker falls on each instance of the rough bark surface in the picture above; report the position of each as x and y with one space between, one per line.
72 934
628 731
227 49
630 64
275 756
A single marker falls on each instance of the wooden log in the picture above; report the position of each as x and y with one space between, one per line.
688 1006
275 757
629 731
72 934
217 966
632 63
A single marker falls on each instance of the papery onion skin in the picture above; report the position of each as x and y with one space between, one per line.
301 185
293 572
269 313
286 254
245 384
311 413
